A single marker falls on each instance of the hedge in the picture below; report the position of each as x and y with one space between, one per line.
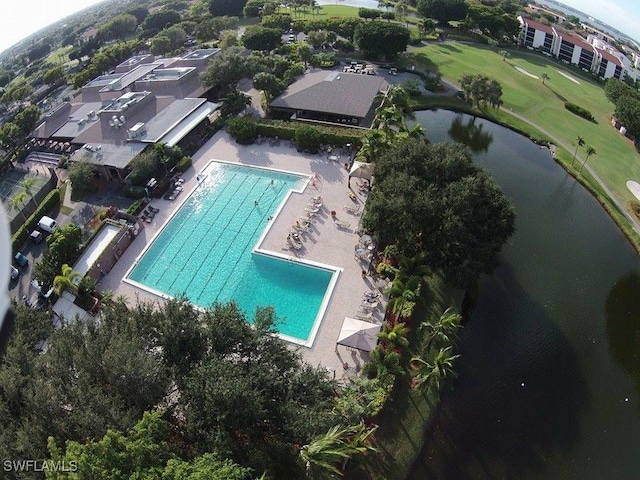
49 202
184 164
338 136
578 110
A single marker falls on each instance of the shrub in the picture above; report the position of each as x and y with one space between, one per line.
134 208
49 203
344 45
243 130
308 139
578 110
134 191
635 208
184 164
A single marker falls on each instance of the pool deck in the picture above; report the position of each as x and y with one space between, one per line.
324 243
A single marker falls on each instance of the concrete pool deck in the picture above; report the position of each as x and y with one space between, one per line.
325 242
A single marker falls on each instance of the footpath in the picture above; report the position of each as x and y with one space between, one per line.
619 205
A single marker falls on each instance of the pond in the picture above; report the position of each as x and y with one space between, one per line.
548 384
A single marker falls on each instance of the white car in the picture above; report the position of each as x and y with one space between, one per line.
14 272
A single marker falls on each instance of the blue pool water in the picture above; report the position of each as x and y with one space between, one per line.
205 250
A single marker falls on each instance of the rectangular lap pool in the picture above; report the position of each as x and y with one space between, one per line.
206 251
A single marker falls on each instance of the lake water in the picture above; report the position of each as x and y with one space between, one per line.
549 378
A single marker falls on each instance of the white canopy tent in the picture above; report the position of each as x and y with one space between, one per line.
358 334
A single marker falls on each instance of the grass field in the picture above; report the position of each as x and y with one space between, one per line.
615 161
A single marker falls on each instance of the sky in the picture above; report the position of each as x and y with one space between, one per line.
21 18
25 17
624 15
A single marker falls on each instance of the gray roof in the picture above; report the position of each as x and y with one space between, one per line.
118 156
348 94
168 118
79 120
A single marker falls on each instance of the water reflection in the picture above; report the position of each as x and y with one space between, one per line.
533 406
471 134
622 310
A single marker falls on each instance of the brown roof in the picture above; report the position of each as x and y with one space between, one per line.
577 40
609 57
537 25
338 93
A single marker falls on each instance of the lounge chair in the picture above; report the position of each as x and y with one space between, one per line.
342 224
364 315
153 209
353 209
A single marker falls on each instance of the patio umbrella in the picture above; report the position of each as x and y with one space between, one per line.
358 334
362 170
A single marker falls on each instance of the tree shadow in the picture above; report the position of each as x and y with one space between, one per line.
622 311
562 98
518 397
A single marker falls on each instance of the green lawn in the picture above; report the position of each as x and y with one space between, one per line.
326 11
616 160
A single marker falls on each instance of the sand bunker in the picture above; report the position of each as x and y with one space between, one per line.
522 70
634 187
568 77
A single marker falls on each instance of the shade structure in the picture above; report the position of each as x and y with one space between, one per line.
362 170
358 334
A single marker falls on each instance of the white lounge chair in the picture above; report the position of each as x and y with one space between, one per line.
342 224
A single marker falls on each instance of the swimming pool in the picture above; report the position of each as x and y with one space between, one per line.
206 251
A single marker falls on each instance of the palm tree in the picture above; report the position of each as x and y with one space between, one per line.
374 142
544 77
436 372
68 278
27 184
590 151
389 120
324 455
17 202
394 337
444 329
504 55
579 143
383 361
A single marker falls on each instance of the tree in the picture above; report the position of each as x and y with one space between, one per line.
544 77
226 69
234 102
615 89
268 83
159 20
68 279
139 12
590 151
426 26
324 455
394 337
628 114
229 38
433 199
443 330
579 143
257 37
64 246
27 185
243 130
53 75
119 27
219 8
176 35
81 174
443 11
308 139
434 372
17 203
374 143
377 39
160 44
211 28
316 38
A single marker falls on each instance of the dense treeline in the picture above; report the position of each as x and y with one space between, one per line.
228 387
626 100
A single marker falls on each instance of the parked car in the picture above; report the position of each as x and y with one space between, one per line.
14 272
393 71
21 259
36 236
47 224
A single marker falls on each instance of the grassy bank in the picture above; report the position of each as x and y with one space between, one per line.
616 160
405 418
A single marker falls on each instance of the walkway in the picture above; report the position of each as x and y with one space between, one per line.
632 220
